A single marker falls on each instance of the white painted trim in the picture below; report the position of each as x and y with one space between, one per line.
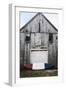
12 43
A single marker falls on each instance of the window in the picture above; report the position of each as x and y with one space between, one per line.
42 21
56 37
50 38
27 38
39 27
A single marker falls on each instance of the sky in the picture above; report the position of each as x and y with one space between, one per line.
26 16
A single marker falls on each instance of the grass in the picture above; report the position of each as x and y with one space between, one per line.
38 73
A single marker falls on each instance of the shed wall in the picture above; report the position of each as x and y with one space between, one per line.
39 38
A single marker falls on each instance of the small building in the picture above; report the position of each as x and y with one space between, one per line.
39 41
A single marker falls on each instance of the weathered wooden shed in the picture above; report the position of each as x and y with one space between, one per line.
39 34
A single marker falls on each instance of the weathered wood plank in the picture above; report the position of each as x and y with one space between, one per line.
22 48
39 28
53 51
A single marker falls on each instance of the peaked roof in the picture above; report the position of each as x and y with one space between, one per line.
39 13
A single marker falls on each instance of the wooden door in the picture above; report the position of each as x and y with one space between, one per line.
35 40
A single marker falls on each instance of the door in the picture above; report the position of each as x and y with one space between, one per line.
39 52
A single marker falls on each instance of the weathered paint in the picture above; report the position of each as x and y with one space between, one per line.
38 56
39 38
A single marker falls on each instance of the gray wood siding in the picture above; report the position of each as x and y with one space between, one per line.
40 39
53 51
44 26
22 47
24 50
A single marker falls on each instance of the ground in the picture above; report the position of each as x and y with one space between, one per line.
38 73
